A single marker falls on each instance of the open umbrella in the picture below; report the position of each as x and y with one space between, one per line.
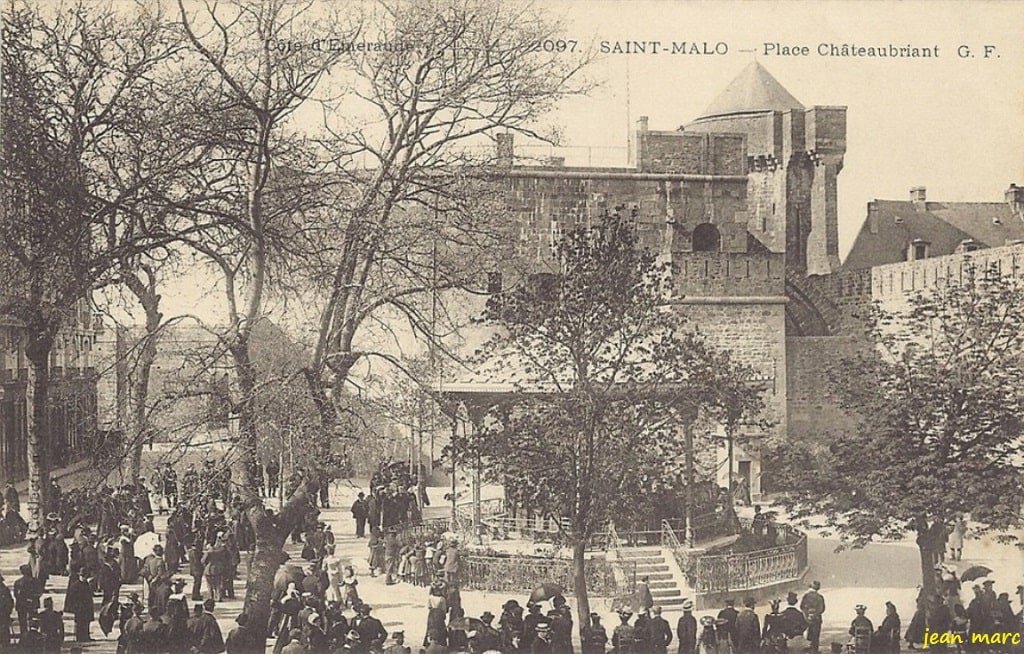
546 591
975 572
145 542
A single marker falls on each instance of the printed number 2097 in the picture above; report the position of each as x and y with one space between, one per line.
553 45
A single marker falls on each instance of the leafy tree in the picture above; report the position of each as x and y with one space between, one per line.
607 376
936 406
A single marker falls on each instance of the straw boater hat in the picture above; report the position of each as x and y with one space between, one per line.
688 605
707 621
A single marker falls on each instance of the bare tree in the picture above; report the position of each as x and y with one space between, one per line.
266 171
417 211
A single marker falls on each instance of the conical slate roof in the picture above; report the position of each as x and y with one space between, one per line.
753 91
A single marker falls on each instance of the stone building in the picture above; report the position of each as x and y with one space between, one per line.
72 396
743 202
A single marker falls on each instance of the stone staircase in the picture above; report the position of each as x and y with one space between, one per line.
666 588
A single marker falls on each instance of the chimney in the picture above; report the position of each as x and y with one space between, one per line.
873 217
635 144
506 154
1015 198
917 196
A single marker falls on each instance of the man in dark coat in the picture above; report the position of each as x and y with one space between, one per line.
6 606
594 636
792 620
51 627
27 592
530 622
370 628
78 602
686 629
659 633
195 569
359 513
204 632
748 629
727 622
108 577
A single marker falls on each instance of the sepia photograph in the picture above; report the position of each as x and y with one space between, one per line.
512 326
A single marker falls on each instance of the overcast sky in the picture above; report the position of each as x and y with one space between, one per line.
954 125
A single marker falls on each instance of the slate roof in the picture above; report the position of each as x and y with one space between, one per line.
944 225
754 90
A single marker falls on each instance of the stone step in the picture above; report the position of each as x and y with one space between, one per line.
666 592
648 559
648 568
654 577
666 583
639 553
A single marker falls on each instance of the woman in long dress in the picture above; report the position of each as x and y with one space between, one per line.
437 611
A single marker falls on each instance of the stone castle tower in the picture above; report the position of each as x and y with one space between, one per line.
794 157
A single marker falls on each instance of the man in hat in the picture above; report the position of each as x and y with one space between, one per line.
399 645
813 607
978 613
624 636
748 629
530 622
108 576
641 630
594 637
370 628
726 625
793 624
686 629
27 592
78 602
485 637
659 632
861 629
205 636
51 627
542 643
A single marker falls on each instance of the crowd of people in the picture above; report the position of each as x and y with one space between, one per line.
112 545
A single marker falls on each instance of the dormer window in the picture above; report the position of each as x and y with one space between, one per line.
968 245
919 249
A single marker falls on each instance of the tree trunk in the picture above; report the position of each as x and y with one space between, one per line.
139 395
269 552
38 351
579 582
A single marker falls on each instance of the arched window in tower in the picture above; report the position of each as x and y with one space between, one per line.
706 238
